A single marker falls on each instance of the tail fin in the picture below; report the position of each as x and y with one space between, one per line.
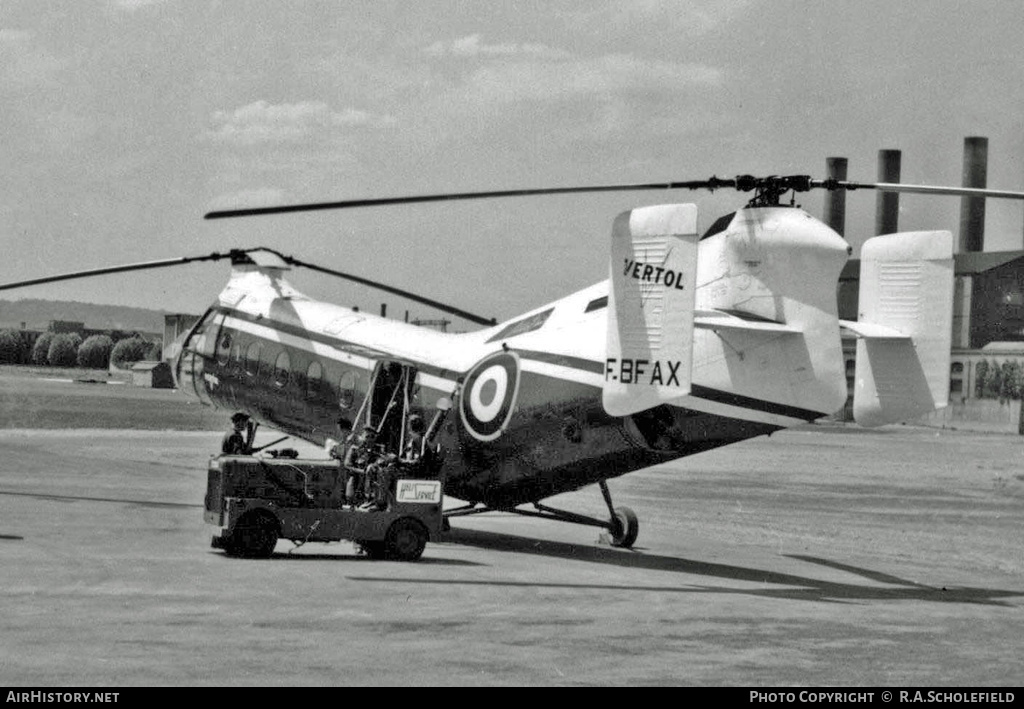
905 326
650 307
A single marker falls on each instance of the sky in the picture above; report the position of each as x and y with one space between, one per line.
126 120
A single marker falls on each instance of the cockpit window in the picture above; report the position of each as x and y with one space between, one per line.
521 327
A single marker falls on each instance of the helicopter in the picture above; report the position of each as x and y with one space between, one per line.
696 340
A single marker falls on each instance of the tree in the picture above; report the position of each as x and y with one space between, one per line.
63 350
12 347
1010 382
994 381
128 351
95 352
41 349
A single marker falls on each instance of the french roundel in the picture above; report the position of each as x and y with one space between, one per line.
489 395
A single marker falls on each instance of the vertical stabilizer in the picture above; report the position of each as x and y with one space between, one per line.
906 290
650 307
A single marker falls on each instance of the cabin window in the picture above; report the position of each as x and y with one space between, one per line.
282 369
252 359
314 379
347 390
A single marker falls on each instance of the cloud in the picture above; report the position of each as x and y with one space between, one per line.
24 63
471 46
133 5
613 74
260 197
14 38
695 18
260 122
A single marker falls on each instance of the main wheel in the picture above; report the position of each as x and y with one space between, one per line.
405 540
625 527
254 536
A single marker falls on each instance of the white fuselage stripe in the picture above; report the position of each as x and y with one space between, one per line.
528 365
571 374
318 348
327 351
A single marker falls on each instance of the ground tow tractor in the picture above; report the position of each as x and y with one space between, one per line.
392 513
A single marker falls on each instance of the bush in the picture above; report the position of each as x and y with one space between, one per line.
41 349
1010 384
63 350
155 353
12 347
128 351
95 352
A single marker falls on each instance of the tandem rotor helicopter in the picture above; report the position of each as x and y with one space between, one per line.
696 340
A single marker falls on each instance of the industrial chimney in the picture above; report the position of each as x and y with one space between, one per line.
972 209
887 204
835 200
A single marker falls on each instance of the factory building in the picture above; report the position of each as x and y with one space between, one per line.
988 299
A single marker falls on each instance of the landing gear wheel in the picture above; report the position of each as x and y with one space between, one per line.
624 527
405 540
254 536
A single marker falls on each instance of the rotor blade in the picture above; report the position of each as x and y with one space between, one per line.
479 320
711 184
113 269
928 189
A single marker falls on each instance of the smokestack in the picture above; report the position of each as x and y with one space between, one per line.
887 204
835 200
972 209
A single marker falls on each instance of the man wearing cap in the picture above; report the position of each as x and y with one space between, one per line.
234 440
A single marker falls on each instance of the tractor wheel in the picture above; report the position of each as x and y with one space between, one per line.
405 540
254 537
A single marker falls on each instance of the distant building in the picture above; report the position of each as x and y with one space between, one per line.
176 326
152 375
63 326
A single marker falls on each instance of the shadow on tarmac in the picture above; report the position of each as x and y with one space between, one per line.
782 585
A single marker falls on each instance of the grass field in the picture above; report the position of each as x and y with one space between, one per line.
53 398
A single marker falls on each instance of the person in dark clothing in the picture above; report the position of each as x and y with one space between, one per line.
234 442
415 444
360 454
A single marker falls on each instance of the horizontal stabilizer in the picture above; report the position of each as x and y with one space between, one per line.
905 326
721 320
856 329
650 307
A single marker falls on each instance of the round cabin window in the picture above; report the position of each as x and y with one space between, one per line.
347 390
282 369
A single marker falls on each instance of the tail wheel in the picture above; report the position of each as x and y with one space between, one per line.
405 540
624 527
254 537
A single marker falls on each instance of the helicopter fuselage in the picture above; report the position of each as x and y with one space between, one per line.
529 421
